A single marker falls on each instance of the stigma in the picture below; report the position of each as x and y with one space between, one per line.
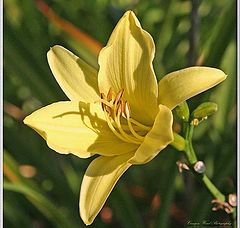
118 117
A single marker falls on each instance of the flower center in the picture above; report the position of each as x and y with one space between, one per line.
118 116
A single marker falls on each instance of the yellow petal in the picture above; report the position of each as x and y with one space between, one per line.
181 85
78 128
126 63
157 139
98 182
77 79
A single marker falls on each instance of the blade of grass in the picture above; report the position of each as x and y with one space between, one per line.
27 73
167 190
14 213
30 190
225 94
125 209
42 203
222 34
164 37
93 45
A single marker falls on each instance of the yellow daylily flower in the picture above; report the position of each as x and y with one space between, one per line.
119 113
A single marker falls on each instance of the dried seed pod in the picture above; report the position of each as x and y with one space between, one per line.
232 199
199 167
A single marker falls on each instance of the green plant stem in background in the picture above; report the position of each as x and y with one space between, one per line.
185 145
192 159
203 178
191 156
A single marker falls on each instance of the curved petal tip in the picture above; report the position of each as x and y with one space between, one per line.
181 85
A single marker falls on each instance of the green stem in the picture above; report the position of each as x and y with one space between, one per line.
191 156
212 188
185 145
234 218
192 159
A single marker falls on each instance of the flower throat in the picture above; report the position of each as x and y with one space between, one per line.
118 116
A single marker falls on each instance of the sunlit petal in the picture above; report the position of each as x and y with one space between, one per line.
98 182
77 79
157 138
126 62
78 128
181 85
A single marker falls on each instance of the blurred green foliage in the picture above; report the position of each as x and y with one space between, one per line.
45 193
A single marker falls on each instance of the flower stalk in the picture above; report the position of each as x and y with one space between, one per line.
185 145
190 154
203 178
192 159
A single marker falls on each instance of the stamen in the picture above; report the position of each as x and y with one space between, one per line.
102 98
117 120
109 110
102 95
127 113
118 97
115 110
104 102
147 128
123 107
124 126
119 109
127 110
115 132
109 95
133 131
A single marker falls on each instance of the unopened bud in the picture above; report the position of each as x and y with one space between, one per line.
178 142
199 167
182 111
204 110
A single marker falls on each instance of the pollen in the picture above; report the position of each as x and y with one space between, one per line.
118 116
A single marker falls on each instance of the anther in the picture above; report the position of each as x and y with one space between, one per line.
119 109
103 96
119 96
108 109
109 95
127 110
122 108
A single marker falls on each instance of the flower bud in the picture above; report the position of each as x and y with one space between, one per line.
182 111
178 142
204 110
